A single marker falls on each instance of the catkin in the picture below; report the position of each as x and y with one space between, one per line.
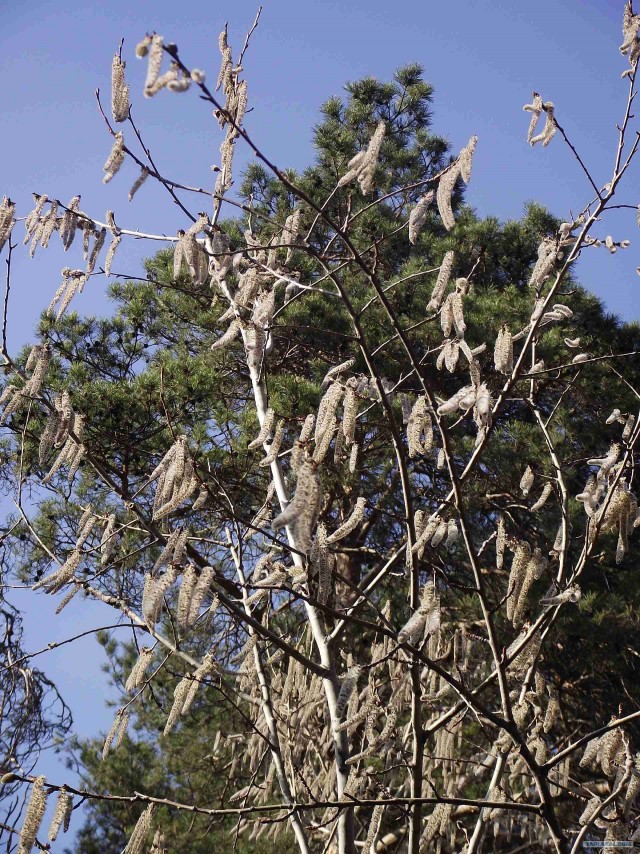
441 282
590 809
546 492
274 448
138 838
142 177
465 159
136 677
350 524
119 90
346 690
187 587
628 427
303 508
154 63
418 215
320 559
33 816
503 352
521 558
444 193
419 429
526 481
7 220
374 827
115 159
332 373
61 814
121 719
350 407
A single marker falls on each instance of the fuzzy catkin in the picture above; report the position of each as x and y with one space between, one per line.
374 827
136 677
275 445
33 816
444 193
466 158
418 215
503 352
138 838
350 524
441 282
61 814
115 159
119 90
154 63
7 220
121 718
142 177
526 481
542 500
346 690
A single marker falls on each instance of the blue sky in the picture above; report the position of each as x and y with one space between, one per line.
484 58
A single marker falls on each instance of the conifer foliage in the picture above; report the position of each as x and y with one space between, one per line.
338 464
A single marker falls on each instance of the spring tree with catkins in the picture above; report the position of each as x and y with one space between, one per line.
346 463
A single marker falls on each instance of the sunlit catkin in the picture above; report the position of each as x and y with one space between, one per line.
503 351
526 481
138 838
418 215
7 220
542 500
61 814
33 816
119 90
115 159
444 194
441 282
136 677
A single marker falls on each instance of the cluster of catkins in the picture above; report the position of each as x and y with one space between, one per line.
176 478
611 753
35 813
460 168
607 499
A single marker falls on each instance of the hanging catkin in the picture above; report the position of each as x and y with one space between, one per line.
419 429
503 352
61 815
304 505
546 492
444 193
441 282
526 481
346 690
33 816
136 677
275 445
350 524
138 838
535 109
115 159
418 215
142 177
363 166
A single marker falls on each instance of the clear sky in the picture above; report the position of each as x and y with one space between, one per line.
484 58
